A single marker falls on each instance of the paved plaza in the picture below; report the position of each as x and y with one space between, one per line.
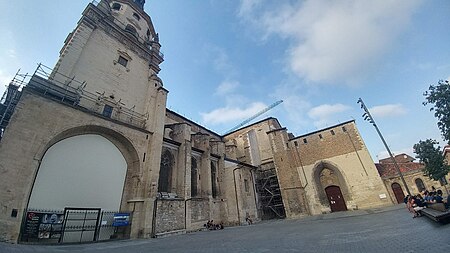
381 230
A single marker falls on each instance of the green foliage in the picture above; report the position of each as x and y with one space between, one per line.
435 165
439 96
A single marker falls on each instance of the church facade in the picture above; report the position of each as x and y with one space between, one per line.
92 137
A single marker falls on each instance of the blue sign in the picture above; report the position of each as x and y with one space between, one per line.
121 219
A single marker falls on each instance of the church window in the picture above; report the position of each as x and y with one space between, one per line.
107 111
332 132
246 185
116 6
165 171
296 143
194 176
136 16
122 61
344 129
305 140
420 185
320 136
214 179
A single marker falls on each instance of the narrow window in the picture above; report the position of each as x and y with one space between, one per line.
107 111
320 136
296 143
122 61
344 129
136 16
305 141
332 132
165 171
116 6
213 179
193 177
246 185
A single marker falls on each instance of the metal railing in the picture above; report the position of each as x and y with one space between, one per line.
71 91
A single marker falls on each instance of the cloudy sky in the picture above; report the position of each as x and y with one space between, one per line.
226 60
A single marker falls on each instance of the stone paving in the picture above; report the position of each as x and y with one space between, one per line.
381 230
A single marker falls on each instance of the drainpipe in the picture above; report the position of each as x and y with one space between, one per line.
185 213
306 179
155 206
254 189
237 201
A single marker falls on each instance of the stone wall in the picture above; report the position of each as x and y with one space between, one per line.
170 215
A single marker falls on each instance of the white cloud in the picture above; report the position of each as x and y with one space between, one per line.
230 114
247 7
226 87
11 53
336 41
326 113
385 111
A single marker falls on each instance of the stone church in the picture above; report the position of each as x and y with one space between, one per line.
89 152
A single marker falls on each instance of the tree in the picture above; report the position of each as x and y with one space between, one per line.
435 165
439 96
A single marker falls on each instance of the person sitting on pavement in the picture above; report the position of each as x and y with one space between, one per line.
413 208
439 198
425 196
431 198
419 201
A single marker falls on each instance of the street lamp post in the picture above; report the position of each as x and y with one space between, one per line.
368 117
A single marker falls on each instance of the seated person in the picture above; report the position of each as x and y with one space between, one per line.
438 197
419 201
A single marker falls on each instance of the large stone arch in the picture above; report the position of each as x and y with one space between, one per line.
320 186
124 145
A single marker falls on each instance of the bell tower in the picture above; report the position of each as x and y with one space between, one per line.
114 53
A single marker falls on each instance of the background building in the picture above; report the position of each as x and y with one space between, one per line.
412 173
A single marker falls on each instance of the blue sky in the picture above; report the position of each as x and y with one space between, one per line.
225 60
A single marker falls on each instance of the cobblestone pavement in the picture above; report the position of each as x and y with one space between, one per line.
381 230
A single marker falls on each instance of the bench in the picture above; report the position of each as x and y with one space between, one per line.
436 212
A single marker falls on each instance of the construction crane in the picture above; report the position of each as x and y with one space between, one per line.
245 122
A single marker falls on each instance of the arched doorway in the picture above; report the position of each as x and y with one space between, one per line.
335 198
72 170
398 192
332 189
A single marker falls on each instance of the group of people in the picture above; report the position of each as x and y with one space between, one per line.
424 200
210 225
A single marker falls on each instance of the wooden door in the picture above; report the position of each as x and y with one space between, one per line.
398 192
337 202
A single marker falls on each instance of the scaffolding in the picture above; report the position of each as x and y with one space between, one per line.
271 203
10 99
56 86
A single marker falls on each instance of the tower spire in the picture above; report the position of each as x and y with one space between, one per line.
140 3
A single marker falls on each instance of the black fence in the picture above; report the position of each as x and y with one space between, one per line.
72 225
